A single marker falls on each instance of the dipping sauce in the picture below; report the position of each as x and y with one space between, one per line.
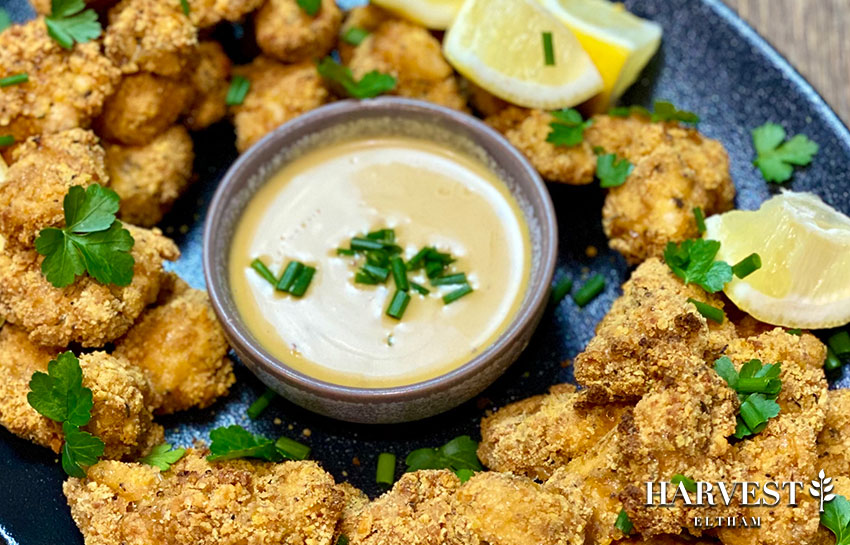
431 196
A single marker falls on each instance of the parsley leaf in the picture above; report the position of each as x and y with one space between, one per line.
80 449
757 386
92 241
69 23
310 7
354 35
612 172
666 111
370 85
5 20
59 394
690 484
568 128
775 157
460 455
836 518
235 441
693 261
162 456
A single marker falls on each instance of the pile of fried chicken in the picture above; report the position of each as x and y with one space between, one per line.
118 111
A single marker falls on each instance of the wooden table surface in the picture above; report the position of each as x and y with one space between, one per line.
814 35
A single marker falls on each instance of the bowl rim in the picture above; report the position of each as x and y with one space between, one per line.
239 335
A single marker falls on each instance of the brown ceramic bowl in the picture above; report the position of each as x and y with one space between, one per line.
379 117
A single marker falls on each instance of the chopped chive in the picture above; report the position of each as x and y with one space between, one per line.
379 273
561 289
23 77
354 35
292 449
263 271
747 266
287 279
416 261
258 406
712 313
453 296
384 235
184 5
442 257
448 280
377 257
433 269
362 277
690 484
310 7
623 523
840 344
795 331
342 540
361 243
832 362
420 288
302 281
398 304
589 290
399 273
239 87
345 251
548 50
385 473
758 385
6 140
700 217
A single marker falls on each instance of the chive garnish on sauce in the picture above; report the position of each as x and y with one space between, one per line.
453 296
712 313
302 281
399 273
589 290
365 243
379 273
747 266
263 271
385 473
258 406
290 273
419 288
449 279
398 304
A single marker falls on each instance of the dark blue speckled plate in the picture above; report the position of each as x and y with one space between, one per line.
710 62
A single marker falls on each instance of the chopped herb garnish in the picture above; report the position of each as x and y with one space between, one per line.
611 171
747 266
699 215
81 450
418 260
567 128
398 304
366 243
385 473
795 331
354 35
464 474
548 50
92 241
589 290
184 5
310 7
302 281
419 288
5 20
342 540
757 386
449 279
399 273
693 261
69 21
623 523
712 313
163 456
291 449
666 111
261 403
258 265
16 79
690 484
836 518
370 85
387 236
459 455
378 273
362 277
228 443
433 269
6 140
238 90
290 273
775 157
453 296
560 290
345 251
840 344
832 361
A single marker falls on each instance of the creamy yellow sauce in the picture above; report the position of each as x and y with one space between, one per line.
338 331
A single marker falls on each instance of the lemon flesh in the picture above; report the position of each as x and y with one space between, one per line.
435 14
804 246
498 45
619 44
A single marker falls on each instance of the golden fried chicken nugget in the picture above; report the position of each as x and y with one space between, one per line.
206 13
354 501
149 178
181 346
150 35
483 102
121 415
198 502
86 312
144 106
45 7
45 168
66 88
278 93
537 435
367 17
527 131
210 82
834 438
413 56
287 33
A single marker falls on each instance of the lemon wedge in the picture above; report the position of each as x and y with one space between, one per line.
804 246
619 44
498 45
435 14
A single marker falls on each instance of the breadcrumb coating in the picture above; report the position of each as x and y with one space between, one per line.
198 502
206 13
354 501
414 57
278 93
144 106
44 7
834 438
287 33
367 17
150 35
66 88
210 82
86 312
181 346
483 102
121 415
45 168
151 177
